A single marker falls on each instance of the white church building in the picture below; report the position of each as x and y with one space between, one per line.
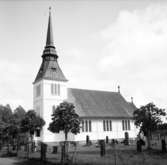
102 113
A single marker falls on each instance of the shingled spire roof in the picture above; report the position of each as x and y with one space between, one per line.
50 69
49 40
49 48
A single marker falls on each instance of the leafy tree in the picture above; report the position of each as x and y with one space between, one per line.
19 114
64 118
162 126
148 117
10 125
7 114
31 122
2 127
6 120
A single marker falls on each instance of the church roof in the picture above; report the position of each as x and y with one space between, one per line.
50 70
99 104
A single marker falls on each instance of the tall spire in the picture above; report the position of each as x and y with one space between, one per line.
49 39
50 69
49 48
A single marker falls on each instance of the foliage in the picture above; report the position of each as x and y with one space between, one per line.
6 114
9 127
31 122
64 118
19 114
148 118
15 124
162 126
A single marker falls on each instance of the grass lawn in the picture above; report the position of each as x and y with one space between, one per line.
123 155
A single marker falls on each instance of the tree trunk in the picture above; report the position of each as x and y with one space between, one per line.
64 157
28 146
8 149
148 141
18 145
66 145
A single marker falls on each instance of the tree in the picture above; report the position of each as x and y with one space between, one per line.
31 123
64 118
7 114
19 113
148 117
7 121
10 123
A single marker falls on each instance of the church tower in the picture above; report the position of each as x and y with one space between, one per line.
49 87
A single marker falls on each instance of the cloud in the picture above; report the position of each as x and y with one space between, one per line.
135 36
135 52
15 82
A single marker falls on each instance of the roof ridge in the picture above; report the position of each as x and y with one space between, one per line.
83 89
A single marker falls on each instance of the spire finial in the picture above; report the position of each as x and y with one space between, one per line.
132 100
50 10
49 48
49 40
118 89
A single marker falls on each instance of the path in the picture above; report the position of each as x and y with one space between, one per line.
8 161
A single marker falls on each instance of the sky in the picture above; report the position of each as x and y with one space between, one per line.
100 43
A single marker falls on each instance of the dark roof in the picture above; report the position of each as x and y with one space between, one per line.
50 70
49 38
92 103
133 107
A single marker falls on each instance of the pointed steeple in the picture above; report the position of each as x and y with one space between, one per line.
50 69
49 39
49 48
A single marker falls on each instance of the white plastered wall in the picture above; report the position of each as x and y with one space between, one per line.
43 105
98 132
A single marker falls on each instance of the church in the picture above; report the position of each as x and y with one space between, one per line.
102 113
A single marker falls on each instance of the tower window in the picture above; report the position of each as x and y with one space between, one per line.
55 89
38 90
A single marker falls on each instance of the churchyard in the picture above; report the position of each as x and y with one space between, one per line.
90 155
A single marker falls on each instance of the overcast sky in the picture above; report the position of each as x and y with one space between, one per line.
101 44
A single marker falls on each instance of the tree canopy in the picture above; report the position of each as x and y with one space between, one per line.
64 118
14 124
31 122
147 118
